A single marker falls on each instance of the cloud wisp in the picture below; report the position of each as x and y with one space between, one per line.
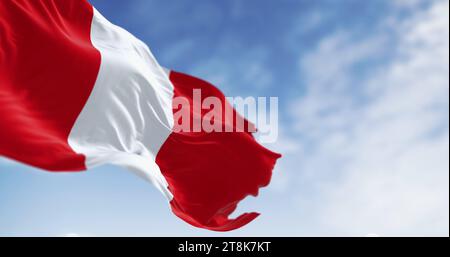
378 138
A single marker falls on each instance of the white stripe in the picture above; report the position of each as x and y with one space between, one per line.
128 115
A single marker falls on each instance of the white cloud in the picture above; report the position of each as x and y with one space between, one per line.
378 144
71 235
74 235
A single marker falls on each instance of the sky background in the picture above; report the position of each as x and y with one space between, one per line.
363 89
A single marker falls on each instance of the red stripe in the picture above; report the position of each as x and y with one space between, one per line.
209 173
48 68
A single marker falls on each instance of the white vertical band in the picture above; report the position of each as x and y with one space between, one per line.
128 115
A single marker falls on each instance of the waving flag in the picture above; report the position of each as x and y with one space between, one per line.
77 91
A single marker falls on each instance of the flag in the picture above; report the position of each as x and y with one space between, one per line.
77 91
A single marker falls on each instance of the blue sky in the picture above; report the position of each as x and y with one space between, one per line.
364 128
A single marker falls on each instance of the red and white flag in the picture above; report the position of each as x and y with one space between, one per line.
77 92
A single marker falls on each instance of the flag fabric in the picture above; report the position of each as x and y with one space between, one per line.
77 92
